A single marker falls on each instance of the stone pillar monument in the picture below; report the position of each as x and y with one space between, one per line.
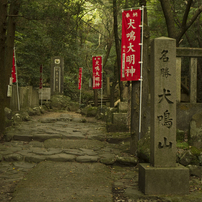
57 75
163 175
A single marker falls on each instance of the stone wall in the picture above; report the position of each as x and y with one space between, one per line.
28 97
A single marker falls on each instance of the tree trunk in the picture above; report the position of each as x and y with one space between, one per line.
135 110
112 89
166 7
96 97
146 81
118 50
3 13
13 12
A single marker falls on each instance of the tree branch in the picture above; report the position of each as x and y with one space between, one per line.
186 13
166 7
184 29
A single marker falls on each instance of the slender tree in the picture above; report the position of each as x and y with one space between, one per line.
117 45
3 13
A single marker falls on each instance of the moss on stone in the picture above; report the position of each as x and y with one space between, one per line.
195 151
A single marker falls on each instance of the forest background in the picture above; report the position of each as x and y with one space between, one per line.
78 29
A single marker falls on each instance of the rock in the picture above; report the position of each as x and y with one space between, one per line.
196 130
24 165
36 144
85 159
101 113
42 110
188 158
8 113
60 102
17 118
61 157
91 112
143 151
76 152
65 117
179 154
31 112
1 157
200 159
37 110
13 157
34 158
48 120
107 161
195 170
128 161
88 152
25 116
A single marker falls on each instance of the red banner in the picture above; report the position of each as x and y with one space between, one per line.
13 69
130 47
80 78
41 77
97 72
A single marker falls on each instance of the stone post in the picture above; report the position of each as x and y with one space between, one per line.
161 175
178 78
193 80
57 75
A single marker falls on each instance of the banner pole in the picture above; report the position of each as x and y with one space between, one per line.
141 79
81 87
17 82
42 85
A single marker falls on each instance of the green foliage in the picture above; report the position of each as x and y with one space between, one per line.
77 30
182 145
73 29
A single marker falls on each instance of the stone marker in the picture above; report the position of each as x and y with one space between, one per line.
162 175
57 75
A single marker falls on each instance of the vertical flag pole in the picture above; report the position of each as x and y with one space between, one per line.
102 85
17 82
141 79
81 87
80 75
41 85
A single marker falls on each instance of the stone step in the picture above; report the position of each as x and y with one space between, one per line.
82 155
43 137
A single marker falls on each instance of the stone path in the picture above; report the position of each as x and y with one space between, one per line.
63 140
65 157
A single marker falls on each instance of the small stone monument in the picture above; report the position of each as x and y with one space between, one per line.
57 75
163 175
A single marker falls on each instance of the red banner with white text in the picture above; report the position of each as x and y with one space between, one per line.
97 72
130 46
13 69
80 78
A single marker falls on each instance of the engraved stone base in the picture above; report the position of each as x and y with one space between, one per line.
155 181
